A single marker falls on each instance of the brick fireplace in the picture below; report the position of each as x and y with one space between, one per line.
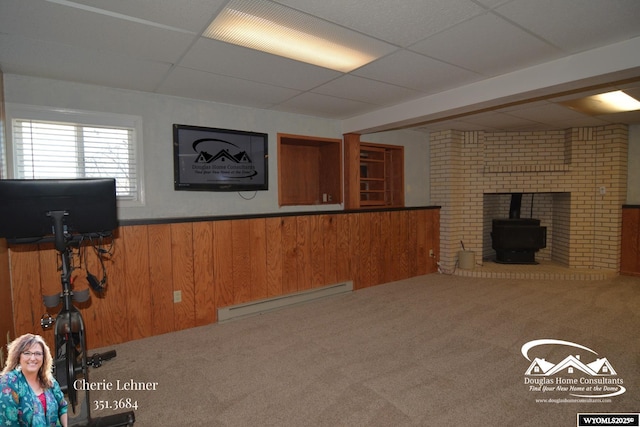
573 180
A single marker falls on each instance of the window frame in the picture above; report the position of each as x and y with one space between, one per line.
84 118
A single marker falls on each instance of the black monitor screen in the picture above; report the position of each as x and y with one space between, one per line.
89 206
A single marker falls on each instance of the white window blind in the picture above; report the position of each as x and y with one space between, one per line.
52 149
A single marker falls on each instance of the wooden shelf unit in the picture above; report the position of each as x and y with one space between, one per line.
374 174
309 170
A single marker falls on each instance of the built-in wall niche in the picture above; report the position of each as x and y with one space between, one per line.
374 174
309 170
551 208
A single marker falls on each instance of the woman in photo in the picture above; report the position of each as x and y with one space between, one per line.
29 394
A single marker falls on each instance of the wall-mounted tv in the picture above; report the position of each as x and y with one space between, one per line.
212 159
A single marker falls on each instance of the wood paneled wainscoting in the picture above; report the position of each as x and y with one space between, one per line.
630 242
218 262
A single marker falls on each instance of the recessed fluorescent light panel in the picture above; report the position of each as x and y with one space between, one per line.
279 30
604 103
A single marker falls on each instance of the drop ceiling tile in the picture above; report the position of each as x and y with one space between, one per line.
449 125
631 89
581 94
19 55
417 72
576 25
192 15
624 117
225 59
313 104
410 20
366 90
548 112
492 3
495 120
196 84
487 45
51 22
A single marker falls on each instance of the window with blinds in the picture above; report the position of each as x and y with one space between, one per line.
44 149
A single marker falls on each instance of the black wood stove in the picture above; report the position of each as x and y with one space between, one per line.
516 240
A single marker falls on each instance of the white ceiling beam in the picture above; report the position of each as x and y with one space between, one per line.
594 67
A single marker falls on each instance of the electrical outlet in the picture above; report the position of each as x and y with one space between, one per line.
177 296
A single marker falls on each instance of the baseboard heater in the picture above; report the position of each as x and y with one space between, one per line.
262 306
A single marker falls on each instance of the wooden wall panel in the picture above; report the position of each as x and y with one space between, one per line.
376 249
434 220
274 255
111 307
241 262
344 253
27 296
161 278
630 242
203 277
366 253
223 263
182 257
303 254
219 263
289 255
317 251
330 243
355 254
7 326
413 254
258 257
138 301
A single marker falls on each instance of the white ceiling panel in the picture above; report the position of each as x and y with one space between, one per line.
192 15
312 104
366 90
408 22
496 120
576 25
62 62
546 111
501 48
228 90
225 59
415 71
455 54
51 22
555 116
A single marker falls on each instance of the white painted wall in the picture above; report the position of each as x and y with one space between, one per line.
160 112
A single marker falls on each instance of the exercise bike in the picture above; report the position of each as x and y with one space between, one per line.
70 361
65 212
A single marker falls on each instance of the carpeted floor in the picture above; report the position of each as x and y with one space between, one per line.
434 350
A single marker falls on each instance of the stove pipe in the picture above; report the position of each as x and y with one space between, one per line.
516 203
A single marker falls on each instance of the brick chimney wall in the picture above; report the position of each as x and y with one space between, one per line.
561 172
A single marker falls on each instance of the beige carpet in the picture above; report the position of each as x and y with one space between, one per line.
435 350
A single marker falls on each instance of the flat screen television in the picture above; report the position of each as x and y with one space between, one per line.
27 208
210 159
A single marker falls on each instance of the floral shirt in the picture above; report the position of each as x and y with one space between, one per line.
19 405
